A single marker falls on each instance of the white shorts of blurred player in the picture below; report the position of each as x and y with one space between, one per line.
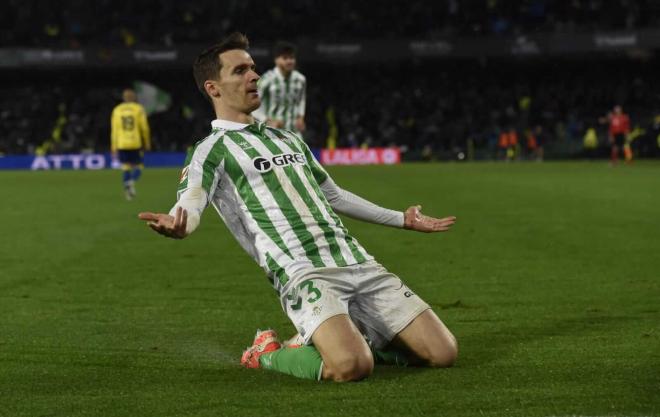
376 300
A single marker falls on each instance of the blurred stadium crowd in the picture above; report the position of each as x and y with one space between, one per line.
168 22
442 106
427 106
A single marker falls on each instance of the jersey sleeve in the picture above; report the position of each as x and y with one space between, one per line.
349 204
201 166
199 177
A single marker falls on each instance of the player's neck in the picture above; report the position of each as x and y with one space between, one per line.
233 115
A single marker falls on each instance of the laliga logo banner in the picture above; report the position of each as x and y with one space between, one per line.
371 156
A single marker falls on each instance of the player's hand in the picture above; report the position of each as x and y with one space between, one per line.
166 225
413 219
300 124
278 124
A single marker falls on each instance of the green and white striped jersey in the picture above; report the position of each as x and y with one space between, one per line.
265 184
282 98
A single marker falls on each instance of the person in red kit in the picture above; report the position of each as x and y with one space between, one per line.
619 130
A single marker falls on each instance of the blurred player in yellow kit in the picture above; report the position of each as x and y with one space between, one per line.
130 136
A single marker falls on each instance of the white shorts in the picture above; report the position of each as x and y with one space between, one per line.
376 300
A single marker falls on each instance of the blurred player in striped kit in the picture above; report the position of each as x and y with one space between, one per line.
130 136
282 91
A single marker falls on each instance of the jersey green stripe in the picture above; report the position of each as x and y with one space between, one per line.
212 161
250 199
277 270
289 211
350 240
297 182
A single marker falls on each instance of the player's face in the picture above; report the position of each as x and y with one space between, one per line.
238 81
286 63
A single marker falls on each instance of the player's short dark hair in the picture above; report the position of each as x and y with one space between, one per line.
207 65
284 48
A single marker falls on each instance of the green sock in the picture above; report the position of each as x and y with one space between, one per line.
302 362
390 357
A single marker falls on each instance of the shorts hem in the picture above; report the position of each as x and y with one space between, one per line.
413 315
307 339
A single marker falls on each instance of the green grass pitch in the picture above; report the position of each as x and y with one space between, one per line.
550 280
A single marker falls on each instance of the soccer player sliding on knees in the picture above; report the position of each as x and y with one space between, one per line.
281 205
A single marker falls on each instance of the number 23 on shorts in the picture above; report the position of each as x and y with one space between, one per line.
313 293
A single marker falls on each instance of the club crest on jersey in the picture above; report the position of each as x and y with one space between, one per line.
264 165
244 145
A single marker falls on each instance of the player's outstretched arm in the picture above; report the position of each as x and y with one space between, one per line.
166 225
413 219
349 204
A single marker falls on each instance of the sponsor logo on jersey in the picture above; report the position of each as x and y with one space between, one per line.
264 165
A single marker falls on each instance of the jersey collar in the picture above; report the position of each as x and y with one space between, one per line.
229 125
